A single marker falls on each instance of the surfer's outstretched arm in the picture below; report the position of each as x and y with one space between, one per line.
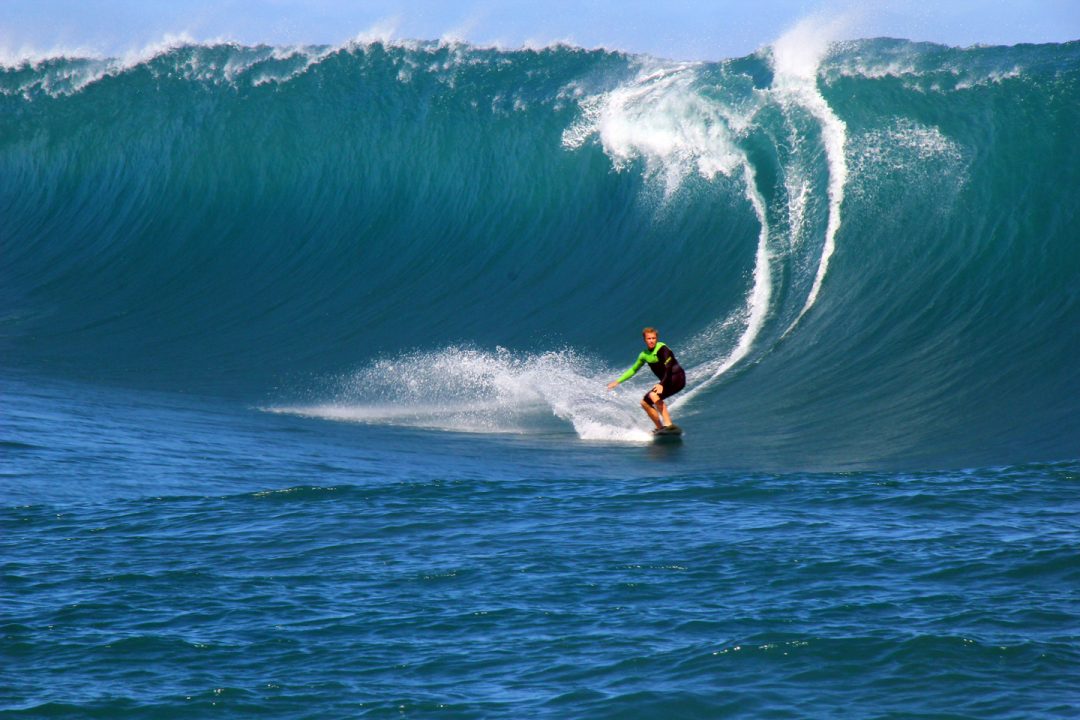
629 373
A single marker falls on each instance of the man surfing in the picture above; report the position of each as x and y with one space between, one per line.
671 376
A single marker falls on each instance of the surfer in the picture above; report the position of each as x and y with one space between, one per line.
671 377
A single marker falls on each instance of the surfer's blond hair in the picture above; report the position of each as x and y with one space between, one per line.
648 330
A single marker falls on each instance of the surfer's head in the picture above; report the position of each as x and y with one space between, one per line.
649 334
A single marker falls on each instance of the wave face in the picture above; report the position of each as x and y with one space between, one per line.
863 253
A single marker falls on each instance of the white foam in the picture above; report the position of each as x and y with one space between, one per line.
30 56
660 119
996 77
92 67
798 53
796 58
921 154
310 57
925 142
470 390
798 189
878 69
756 308
148 52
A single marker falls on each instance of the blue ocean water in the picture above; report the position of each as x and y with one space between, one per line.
303 355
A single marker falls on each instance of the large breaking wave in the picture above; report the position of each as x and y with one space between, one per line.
862 252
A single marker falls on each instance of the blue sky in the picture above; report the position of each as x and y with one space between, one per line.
680 29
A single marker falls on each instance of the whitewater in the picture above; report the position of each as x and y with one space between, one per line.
303 367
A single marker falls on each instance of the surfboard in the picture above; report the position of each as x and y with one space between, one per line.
669 434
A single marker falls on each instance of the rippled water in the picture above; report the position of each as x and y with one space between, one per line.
177 557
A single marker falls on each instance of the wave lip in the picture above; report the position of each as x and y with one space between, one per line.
797 60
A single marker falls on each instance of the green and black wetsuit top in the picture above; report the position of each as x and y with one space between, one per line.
664 365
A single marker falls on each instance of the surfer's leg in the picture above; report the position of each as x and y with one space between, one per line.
662 407
651 412
678 382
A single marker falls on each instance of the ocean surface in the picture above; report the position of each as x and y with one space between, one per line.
303 355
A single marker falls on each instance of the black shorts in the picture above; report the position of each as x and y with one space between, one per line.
677 383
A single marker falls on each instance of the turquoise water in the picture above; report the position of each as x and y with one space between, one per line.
302 368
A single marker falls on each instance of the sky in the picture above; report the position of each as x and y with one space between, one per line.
676 29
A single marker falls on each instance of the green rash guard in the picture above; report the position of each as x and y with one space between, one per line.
662 364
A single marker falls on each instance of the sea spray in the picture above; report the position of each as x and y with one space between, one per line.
470 390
